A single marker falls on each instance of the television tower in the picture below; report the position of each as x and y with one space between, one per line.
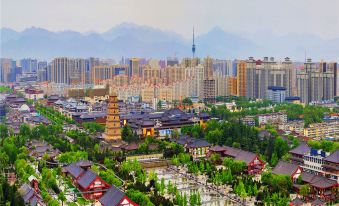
193 45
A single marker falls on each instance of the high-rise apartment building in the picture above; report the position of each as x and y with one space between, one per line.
303 86
241 78
209 93
5 69
172 61
208 67
333 67
151 74
225 67
90 63
61 70
315 82
259 75
134 67
102 72
251 84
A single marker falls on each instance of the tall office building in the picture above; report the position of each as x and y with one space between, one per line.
42 65
29 65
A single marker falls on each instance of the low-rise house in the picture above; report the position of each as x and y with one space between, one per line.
33 93
37 120
30 196
115 197
287 168
248 120
52 99
86 180
195 147
30 193
254 164
38 149
272 118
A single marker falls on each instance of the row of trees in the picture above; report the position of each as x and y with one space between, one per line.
53 115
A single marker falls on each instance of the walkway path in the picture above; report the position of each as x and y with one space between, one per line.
233 197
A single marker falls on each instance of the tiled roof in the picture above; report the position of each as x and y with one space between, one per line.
296 202
334 157
131 146
239 154
317 202
87 178
112 197
302 149
317 180
285 168
191 142
74 170
198 143
217 148
29 196
84 163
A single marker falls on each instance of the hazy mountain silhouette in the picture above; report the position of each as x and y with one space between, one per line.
129 39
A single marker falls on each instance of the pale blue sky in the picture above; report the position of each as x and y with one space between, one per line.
247 17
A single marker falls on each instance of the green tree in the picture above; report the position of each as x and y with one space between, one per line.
4 160
187 102
3 131
305 190
25 130
159 105
139 197
62 197
240 189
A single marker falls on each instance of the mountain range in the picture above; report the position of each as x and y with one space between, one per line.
128 39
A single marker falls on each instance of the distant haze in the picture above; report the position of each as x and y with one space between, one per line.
225 29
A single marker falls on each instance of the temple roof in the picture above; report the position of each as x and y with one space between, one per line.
285 168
